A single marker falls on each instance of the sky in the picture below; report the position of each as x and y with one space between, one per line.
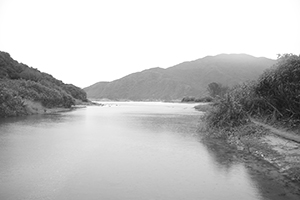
84 42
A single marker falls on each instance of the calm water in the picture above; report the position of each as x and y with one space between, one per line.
120 151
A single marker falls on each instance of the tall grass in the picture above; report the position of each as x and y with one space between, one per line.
230 110
274 96
280 88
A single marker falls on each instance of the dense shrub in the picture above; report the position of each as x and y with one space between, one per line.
229 111
11 69
280 88
75 92
10 103
49 97
204 99
188 99
193 99
276 96
19 82
216 89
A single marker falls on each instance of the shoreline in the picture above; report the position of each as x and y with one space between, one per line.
36 108
262 150
281 155
39 109
33 108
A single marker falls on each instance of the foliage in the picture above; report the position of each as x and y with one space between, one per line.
10 103
193 99
229 111
11 69
49 97
204 99
275 95
75 92
18 82
216 89
280 88
188 99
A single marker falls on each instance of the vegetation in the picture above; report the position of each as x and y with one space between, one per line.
18 82
279 87
274 97
10 103
216 89
193 99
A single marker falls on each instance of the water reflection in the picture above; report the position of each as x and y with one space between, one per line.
33 120
223 155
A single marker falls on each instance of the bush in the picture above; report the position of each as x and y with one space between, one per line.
216 89
11 69
204 99
18 82
75 92
280 88
188 99
276 96
193 99
229 111
10 103
49 97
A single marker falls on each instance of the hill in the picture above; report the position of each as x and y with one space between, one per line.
21 86
185 79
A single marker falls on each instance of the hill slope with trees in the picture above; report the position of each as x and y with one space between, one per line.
20 84
182 80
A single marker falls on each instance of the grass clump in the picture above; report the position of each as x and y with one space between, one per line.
229 111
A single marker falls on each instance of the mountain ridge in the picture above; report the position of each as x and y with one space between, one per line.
188 78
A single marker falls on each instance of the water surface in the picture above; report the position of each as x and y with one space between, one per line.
119 151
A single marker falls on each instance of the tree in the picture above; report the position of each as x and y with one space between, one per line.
216 89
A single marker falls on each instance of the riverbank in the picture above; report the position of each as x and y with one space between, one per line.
274 152
37 108
34 107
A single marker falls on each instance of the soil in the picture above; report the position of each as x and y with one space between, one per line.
273 155
267 177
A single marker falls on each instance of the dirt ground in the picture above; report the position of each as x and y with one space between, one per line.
273 155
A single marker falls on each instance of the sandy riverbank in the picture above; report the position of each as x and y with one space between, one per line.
266 150
276 156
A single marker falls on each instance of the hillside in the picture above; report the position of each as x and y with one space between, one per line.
21 86
185 79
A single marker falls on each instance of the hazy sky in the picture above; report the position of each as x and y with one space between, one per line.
83 42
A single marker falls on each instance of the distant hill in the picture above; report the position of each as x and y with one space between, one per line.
185 79
21 86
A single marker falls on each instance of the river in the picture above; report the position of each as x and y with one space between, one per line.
120 151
